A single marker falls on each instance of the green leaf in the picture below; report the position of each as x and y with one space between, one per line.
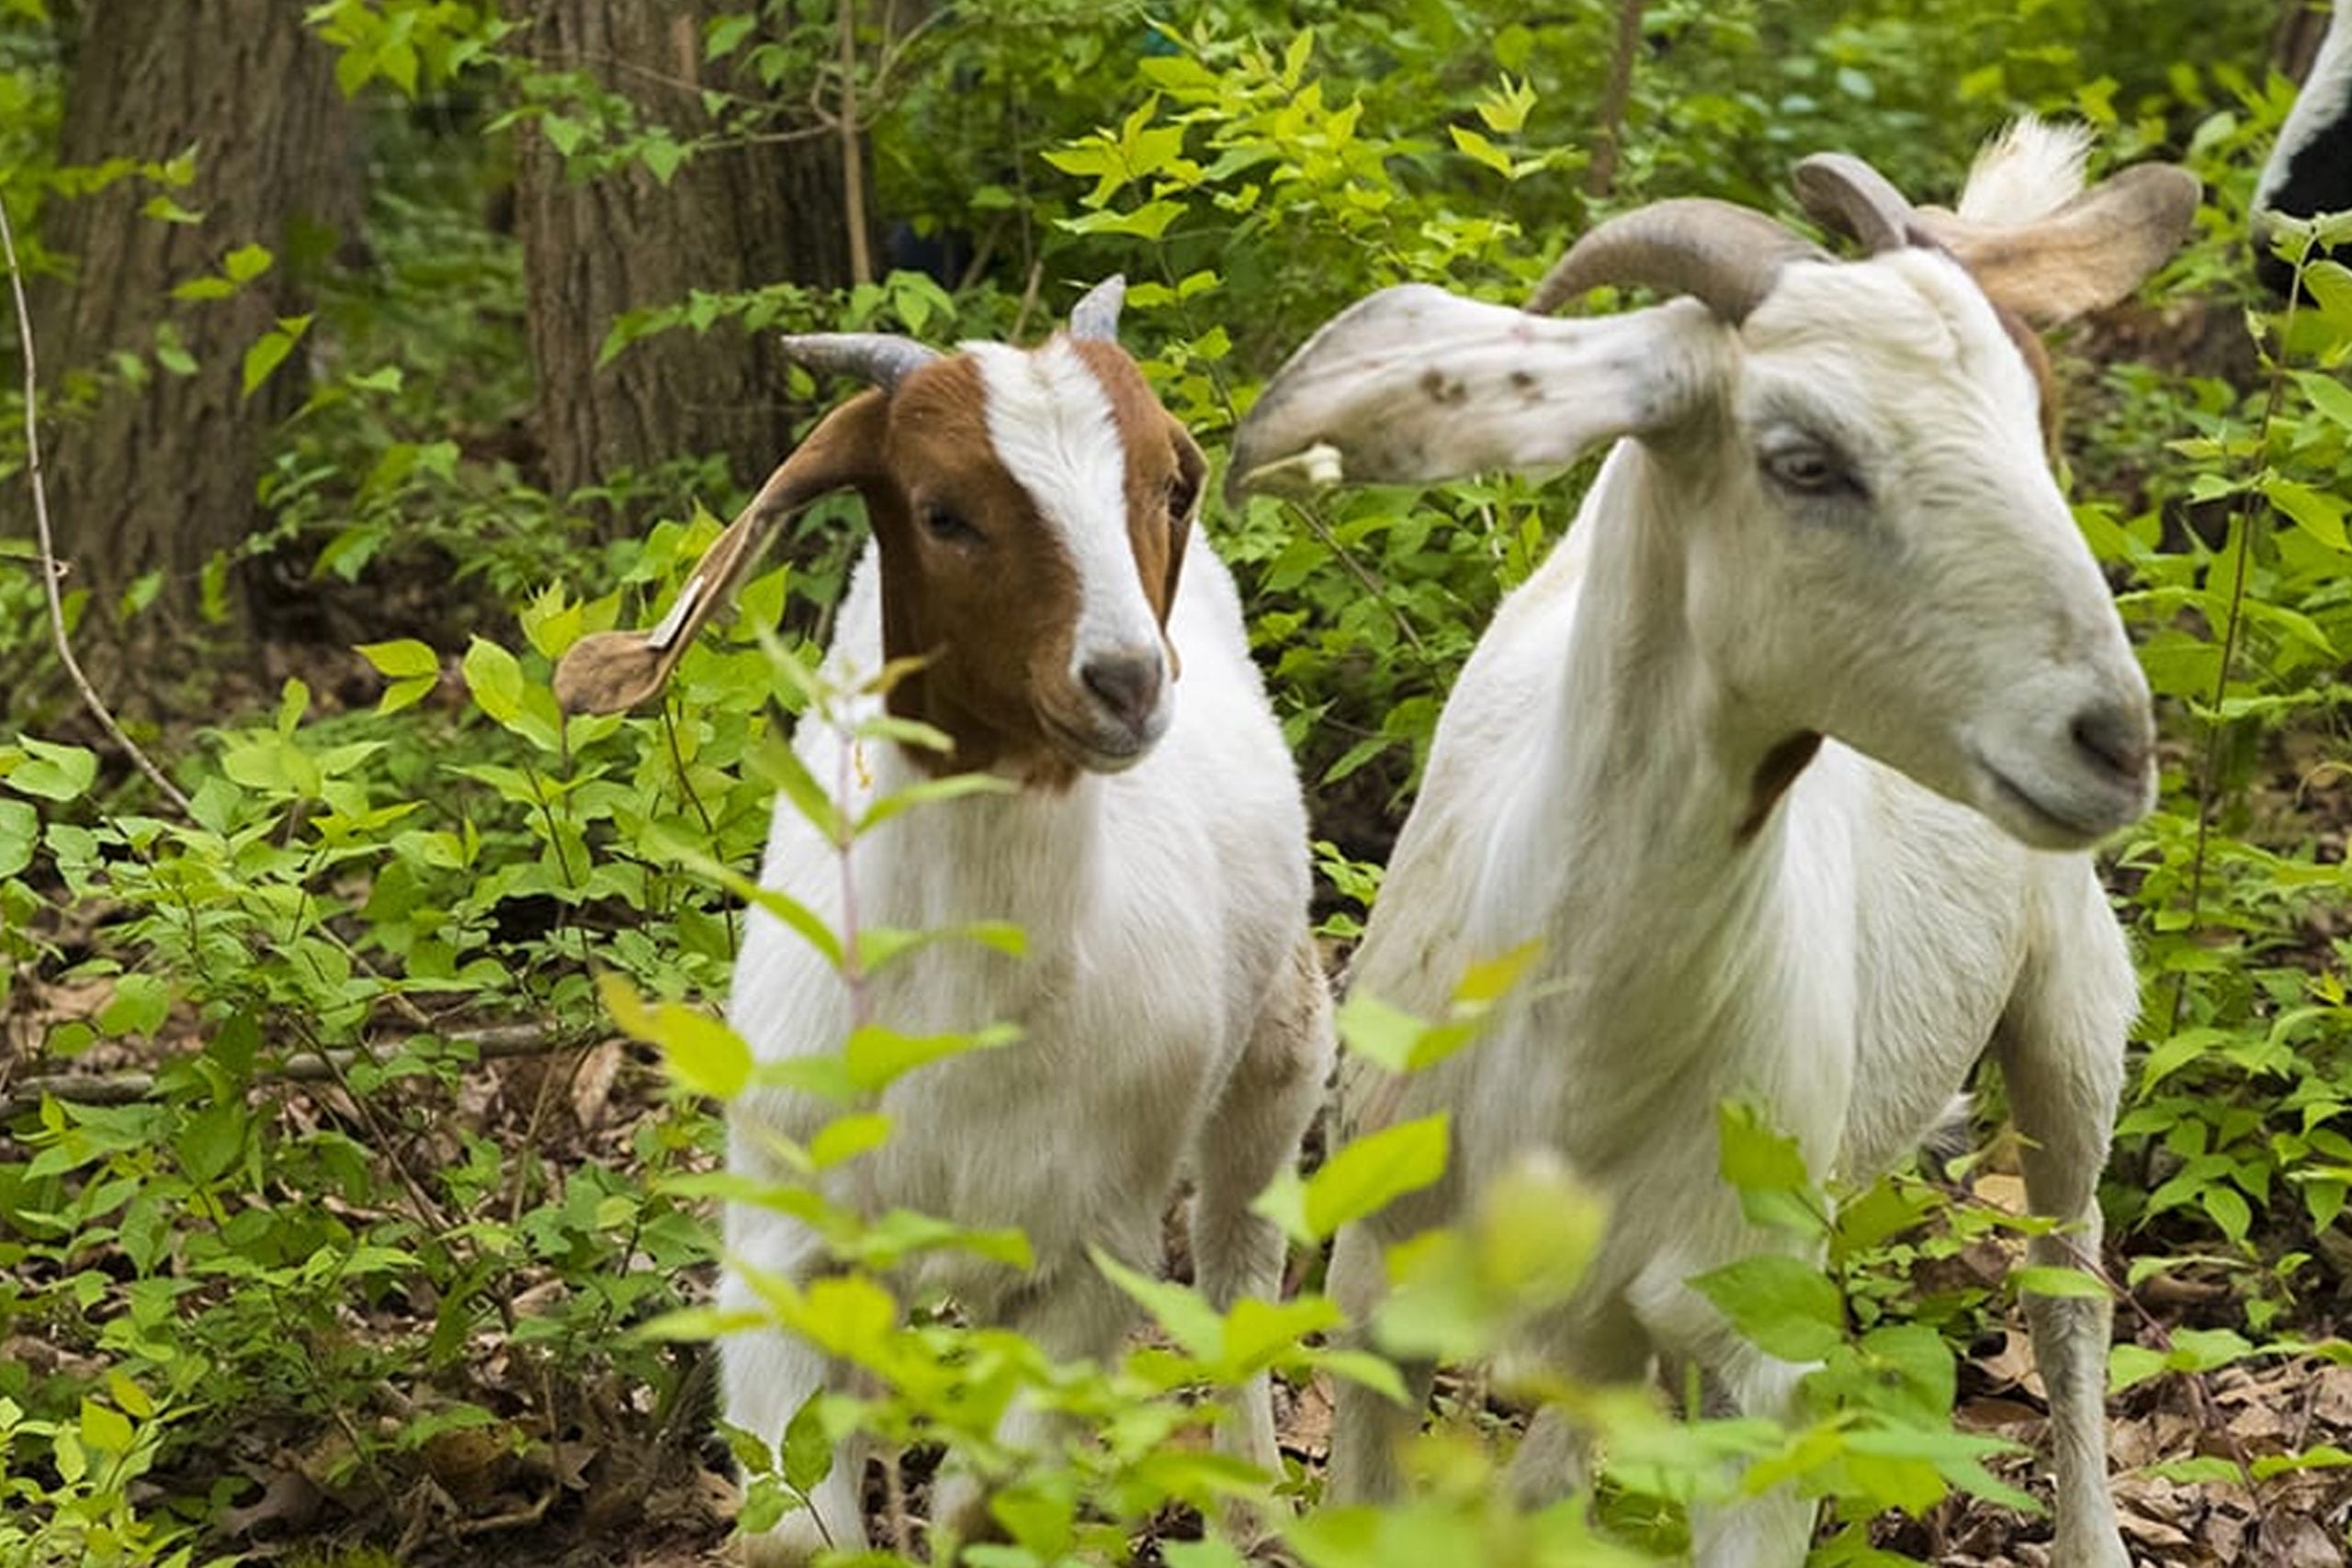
1363 1368
1146 222
105 1429
208 1143
164 210
19 835
404 694
878 1057
406 657
1767 1170
846 1137
807 1452
880 946
563 134
2328 395
1371 1028
2056 1281
1479 148
782 766
53 772
1259 1333
662 157
726 33
704 1053
246 263
209 287
495 679
2131 1365
2317 513
270 350
1359 1180
139 1006
1786 1305
931 792
1190 1320
1538 1230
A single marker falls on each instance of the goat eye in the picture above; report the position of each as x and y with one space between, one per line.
1810 469
949 526
1180 496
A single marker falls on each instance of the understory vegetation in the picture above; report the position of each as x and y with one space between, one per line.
360 1145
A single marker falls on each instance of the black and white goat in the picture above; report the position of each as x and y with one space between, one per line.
1034 518
2310 170
1787 757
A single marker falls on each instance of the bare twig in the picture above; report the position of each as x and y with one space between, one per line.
303 1066
1029 297
861 258
49 570
1608 135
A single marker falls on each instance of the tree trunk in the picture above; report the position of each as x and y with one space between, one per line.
733 218
157 473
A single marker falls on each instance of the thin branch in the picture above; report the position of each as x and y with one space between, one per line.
861 258
50 569
303 1066
1608 136
2245 517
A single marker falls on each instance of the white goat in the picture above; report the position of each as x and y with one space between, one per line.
1831 517
1034 522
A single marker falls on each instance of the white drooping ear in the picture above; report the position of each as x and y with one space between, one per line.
1414 385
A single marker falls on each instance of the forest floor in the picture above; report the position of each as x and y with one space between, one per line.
2195 1457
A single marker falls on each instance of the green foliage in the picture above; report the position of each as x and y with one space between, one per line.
369 903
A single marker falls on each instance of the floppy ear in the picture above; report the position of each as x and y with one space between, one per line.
1414 385
2087 256
611 672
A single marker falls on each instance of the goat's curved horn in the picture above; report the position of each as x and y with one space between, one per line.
1723 255
1844 192
1097 315
881 360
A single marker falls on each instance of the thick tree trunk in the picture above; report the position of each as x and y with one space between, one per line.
731 219
157 474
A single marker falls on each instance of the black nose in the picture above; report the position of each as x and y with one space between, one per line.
2119 738
1128 684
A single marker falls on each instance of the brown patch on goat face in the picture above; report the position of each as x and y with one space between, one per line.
976 581
1774 775
971 581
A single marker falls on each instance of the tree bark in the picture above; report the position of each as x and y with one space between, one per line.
733 218
158 475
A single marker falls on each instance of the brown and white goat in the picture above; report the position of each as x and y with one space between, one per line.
1035 540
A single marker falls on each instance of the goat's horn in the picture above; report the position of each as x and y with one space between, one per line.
1723 255
1844 192
881 360
1097 315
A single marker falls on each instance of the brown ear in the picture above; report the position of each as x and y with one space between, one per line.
2089 253
1192 476
611 672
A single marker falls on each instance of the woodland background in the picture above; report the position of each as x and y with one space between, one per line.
355 1113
